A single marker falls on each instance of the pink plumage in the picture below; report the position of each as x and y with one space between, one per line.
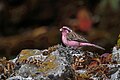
70 38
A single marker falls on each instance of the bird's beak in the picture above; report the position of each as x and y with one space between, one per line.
60 29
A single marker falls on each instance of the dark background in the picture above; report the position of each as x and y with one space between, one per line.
34 24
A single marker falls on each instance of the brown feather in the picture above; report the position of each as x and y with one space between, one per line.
75 37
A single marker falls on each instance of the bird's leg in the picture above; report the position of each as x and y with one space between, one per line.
75 48
79 48
71 47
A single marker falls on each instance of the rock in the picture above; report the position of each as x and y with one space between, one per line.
58 63
43 64
116 55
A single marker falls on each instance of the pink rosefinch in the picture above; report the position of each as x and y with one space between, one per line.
70 38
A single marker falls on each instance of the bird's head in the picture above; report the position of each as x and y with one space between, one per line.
65 29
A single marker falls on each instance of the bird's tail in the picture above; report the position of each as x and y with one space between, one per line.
89 44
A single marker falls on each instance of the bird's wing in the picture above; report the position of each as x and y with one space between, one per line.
75 37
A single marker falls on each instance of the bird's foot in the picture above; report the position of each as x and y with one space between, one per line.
76 48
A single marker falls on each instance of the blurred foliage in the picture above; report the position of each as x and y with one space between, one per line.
36 23
113 4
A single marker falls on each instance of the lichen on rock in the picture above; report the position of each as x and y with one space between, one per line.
43 64
61 63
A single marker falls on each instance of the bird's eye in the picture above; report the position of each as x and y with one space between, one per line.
63 29
69 31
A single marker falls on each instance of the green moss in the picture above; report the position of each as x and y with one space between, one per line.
46 67
48 64
25 54
118 42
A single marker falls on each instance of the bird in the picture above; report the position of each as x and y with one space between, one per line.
72 39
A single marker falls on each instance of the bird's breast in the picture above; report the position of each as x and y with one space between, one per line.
69 42
64 39
73 43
